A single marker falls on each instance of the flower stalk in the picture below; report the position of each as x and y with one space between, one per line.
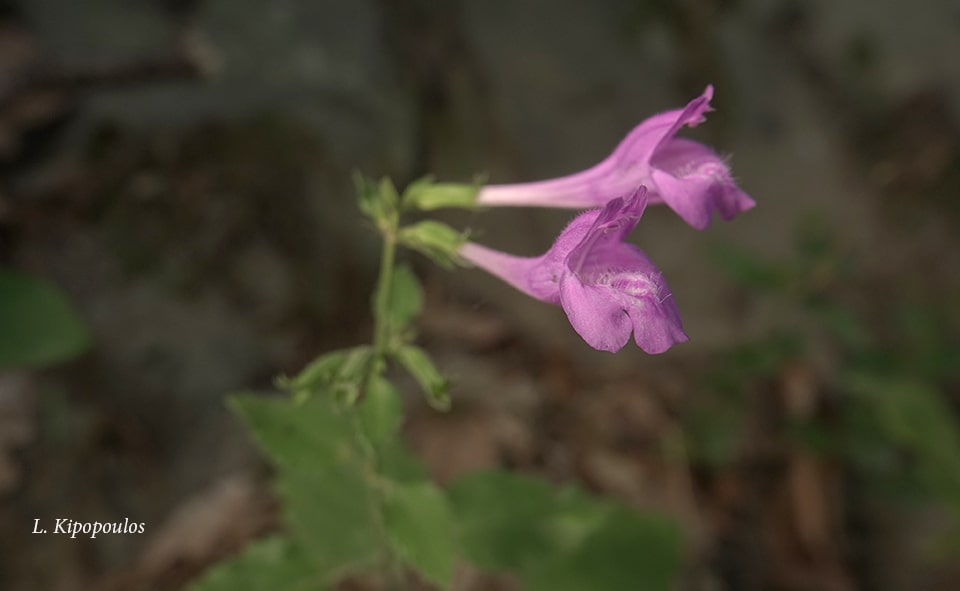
388 226
381 306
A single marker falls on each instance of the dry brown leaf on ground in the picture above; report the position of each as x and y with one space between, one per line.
811 533
469 329
468 439
813 488
17 423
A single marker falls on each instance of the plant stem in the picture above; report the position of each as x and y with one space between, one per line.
381 341
392 563
381 332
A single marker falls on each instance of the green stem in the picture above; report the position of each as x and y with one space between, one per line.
392 563
381 341
381 331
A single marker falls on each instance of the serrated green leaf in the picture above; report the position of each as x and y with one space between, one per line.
406 299
379 201
399 464
388 193
381 411
424 194
576 515
420 526
339 372
272 563
323 477
421 367
502 519
561 538
320 372
626 552
436 240
507 522
38 325
367 195
381 414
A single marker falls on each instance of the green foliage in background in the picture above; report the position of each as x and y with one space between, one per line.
358 503
38 326
895 354
562 539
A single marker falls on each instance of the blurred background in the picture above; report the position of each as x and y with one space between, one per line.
176 207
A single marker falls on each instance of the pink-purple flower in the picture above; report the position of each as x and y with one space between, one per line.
607 287
688 176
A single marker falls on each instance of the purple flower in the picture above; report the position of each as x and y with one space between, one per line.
688 176
607 287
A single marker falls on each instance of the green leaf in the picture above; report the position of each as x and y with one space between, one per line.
626 552
424 194
843 323
399 464
38 325
816 240
763 358
272 563
748 269
340 372
503 519
389 193
381 414
925 340
367 195
915 415
438 241
421 367
420 525
381 411
714 429
406 299
379 201
576 515
561 539
323 477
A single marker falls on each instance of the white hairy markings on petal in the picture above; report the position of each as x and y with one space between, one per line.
634 284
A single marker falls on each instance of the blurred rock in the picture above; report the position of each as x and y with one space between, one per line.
18 418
